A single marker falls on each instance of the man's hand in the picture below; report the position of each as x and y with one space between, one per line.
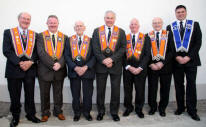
56 66
80 70
180 60
108 62
159 65
25 65
154 67
186 59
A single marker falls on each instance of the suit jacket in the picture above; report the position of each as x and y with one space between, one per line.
45 63
90 62
143 59
167 68
13 69
116 56
194 47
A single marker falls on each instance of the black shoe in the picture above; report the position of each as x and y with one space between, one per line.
194 116
140 114
14 122
34 119
179 112
88 117
127 112
76 118
115 118
162 113
152 111
100 116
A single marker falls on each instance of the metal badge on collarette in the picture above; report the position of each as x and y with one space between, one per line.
108 50
78 58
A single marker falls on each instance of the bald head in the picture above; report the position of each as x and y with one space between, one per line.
24 19
157 23
79 28
134 25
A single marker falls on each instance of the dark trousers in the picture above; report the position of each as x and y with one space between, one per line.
101 79
14 87
57 87
139 84
87 86
165 82
191 95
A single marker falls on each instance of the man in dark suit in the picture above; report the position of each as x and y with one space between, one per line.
135 68
187 42
108 43
19 48
160 67
80 62
51 68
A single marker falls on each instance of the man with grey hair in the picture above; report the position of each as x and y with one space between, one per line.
108 43
135 68
19 47
160 67
51 68
80 62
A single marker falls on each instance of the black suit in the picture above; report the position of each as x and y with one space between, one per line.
138 80
190 69
16 76
102 71
86 79
165 75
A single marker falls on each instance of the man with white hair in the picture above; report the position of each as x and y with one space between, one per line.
108 43
135 68
80 62
160 67
19 47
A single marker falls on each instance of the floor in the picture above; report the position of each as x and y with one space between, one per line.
170 120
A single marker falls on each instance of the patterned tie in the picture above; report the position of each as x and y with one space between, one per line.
181 30
133 41
24 38
53 40
109 34
157 39
79 42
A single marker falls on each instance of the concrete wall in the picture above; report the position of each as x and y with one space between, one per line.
92 13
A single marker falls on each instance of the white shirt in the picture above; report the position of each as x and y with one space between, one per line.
107 30
160 32
21 30
183 23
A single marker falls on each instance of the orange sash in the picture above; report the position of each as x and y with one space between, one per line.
113 39
83 48
158 54
136 51
54 52
18 43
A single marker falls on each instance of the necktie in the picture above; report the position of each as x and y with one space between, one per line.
133 41
53 40
157 39
181 30
24 38
79 42
109 34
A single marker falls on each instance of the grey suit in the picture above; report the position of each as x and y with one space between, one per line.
48 77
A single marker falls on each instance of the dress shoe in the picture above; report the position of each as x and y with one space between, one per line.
194 116
179 112
14 122
61 117
100 116
76 118
33 118
115 118
127 112
88 117
140 114
44 118
152 111
162 113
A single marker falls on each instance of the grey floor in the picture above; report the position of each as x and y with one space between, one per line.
170 120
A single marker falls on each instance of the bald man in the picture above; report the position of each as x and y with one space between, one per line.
135 68
108 43
80 62
19 47
160 67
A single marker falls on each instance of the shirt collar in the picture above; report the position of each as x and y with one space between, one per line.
55 34
21 30
135 34
183 22
80 36
106 27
